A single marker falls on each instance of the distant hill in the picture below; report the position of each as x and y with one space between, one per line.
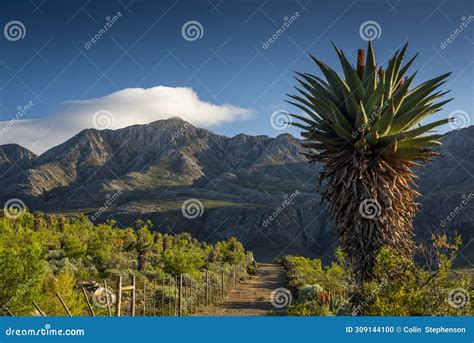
147 171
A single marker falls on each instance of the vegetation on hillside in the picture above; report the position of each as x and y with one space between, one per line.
41 255
400 287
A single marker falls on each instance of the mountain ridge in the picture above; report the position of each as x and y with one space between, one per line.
241 181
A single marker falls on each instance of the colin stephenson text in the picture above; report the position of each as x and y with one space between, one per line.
406 329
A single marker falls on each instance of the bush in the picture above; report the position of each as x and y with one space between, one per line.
400 287
43 254
403 288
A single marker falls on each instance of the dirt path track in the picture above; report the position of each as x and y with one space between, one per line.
252 297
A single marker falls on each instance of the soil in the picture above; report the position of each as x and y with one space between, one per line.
252 296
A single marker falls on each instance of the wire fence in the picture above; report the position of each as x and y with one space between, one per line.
171 295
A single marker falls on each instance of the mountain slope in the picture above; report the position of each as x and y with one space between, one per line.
12 155
258 188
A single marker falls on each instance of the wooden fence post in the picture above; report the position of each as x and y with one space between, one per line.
176 289
234 281
185 295
144 298
169 296
222 285
207 288
42 314
87 301
198 290
64 304
107 298
163 297
180 294
133 297
154 298
118 302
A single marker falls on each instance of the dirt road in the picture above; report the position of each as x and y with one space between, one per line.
252 297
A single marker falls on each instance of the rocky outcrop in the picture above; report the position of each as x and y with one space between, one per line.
258 188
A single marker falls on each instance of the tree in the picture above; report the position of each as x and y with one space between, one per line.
365 130
144 246
65 285
21 272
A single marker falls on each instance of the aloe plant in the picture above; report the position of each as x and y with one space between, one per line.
367 129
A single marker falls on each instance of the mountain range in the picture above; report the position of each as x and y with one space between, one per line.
258 188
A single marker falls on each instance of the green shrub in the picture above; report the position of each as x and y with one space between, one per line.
403 288
400 286
42 254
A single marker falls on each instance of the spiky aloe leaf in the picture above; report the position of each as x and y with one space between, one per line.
381 102
370 74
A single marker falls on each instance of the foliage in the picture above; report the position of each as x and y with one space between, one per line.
317 290
381 106
400 286
42 254
21 272
367 128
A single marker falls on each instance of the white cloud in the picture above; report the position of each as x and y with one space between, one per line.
119 109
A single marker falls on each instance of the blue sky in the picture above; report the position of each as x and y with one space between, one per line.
228 65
